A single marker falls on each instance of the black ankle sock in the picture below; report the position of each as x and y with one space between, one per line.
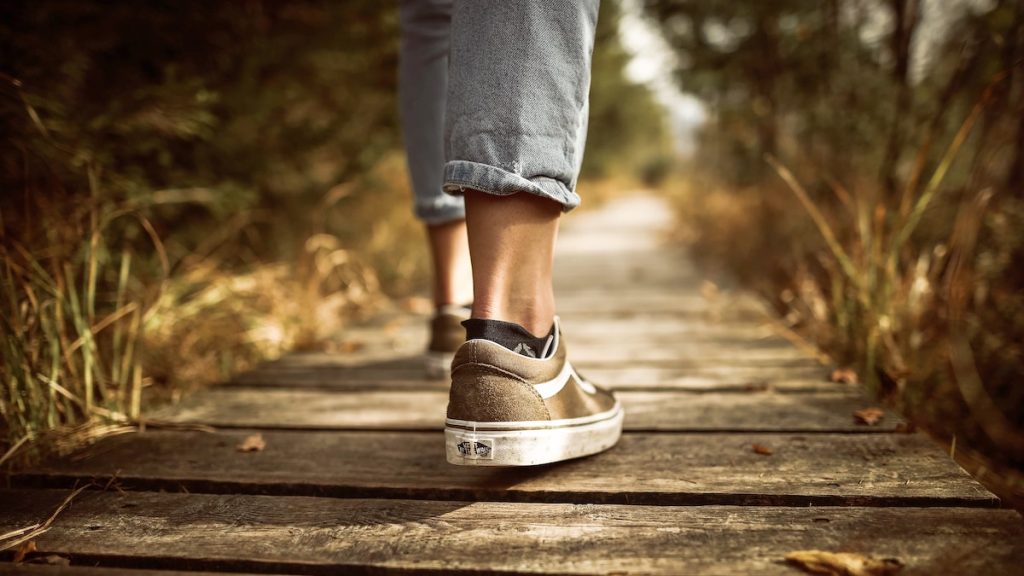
508 334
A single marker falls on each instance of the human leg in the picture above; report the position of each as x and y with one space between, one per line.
512 250
452 290
423 82
515 125
515 129
452 272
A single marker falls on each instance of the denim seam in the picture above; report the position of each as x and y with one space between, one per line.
562 195
541 193
440 210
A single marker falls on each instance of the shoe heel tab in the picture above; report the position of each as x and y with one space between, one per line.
466 354
482 350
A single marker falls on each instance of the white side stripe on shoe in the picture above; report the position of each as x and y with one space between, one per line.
555 385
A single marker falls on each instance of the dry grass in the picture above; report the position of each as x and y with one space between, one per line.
101 326
916 292
98 329
27 533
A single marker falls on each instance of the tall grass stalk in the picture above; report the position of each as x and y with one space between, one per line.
59 361
86 331
880 284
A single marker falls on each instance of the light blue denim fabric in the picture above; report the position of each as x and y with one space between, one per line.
515 108
422 87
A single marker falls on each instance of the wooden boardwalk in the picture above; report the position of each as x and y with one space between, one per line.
353 477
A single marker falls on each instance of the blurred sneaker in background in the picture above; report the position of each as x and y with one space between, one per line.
446 335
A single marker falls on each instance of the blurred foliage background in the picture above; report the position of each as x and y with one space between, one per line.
862 166
191 187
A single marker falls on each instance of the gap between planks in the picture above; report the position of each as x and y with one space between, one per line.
650 469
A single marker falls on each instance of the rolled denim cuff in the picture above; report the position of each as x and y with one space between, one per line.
440 209
462 174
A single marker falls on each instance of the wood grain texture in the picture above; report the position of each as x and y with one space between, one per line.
624 270
696 355
28 569
649 468
407 374
352 478
410 366
306 535
742 353
425 410
582 329
655 298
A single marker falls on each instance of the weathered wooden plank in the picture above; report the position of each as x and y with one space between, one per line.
622 271
772 353
405 364
306 535
411 361
633 221
584 336
584 333
325 371
663 299
331 380
603 339
653 379
708 378
670 330
696 351
696 354
29 569
419 410
648 468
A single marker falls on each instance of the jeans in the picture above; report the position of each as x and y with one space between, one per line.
494 98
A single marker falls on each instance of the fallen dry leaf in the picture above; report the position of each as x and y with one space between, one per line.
843 376
869 416
253 443
23 550
762 450
843 563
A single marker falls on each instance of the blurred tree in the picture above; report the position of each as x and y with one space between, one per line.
627 133
904 119
906 15
231 106
197 111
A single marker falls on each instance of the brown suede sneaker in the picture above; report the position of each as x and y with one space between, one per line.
506 409
446 335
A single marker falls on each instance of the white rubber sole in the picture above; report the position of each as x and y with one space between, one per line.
438 365
530 443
